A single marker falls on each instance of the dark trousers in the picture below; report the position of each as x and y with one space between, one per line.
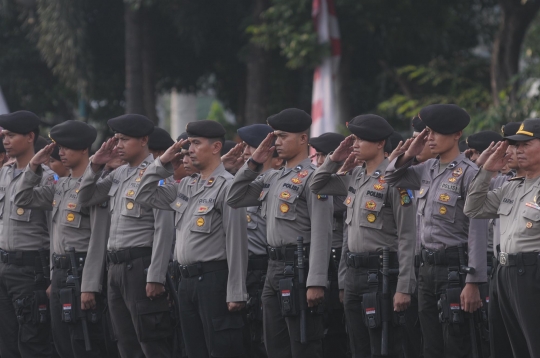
141 325
254 328
498 337
440 339
518 289
282 334
208 328
68 337
412 332
335 337
25 337
366 342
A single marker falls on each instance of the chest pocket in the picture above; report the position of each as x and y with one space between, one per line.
202 218
71 217
112 193
444 206
179 206
371 212
251 217
422 198
20 214
56 202
349 202
130 208
504 211
262 198
286 204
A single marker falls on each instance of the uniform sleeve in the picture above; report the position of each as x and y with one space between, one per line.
405 217
30 194
235 225
161 247
407 176
325 181
92 190
94 268
481 202
152 194
245 189
321 213
343 261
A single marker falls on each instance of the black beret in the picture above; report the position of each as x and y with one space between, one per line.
292 120
56 153
417 124
40 143
183 136
463 146
73 134
21 122
481 140
529 129
227 146
444 118
392 142
510 128
327 142
132 125
205 128
254 134
370 127
159 139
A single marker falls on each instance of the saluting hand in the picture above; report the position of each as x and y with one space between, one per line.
400 149
350 163
265 150
105 153
496 158
344 149
174 152
417 145
233 160
41 157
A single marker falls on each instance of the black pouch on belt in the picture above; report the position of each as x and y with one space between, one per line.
288 297
450 306
41 307
371 308
69 306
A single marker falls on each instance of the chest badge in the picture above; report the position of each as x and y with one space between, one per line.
442 210
529 225
261 194
296 180
322 197
130 205
20 211
457 172
70 217
284 208
303 174
371 205
200 222
421 191
138 179
378 187
452 180
371 218
348 200
404 198
202 209
210 181
381 179
71 206
54 203
178 204
285 195
130 193
248 218
444 197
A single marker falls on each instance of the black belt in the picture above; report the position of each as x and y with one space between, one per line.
117 257
21 258
448 257
286 253
62 261
201 268
258 263
526 258
370 260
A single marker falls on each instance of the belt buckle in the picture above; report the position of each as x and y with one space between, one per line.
184 271
503 258
114 256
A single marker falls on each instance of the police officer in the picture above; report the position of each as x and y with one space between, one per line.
335 338
291 210
443 184
211 246
376 216
24 247
72 226
516 205
55 163
140 241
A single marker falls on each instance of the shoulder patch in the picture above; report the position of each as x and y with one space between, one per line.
517 178
322 197
404 197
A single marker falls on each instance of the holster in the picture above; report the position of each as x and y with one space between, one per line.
254 306
69 305
41 307
450 307
288 293
371 308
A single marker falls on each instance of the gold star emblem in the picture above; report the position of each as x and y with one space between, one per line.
200 222
284 208
442 210
70 217
371 218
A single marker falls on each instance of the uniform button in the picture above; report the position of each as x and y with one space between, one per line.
520 270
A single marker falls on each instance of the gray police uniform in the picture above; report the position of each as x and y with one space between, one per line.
517 283
377 216
211 248
291 210
443 226
139 244
25 326
82 229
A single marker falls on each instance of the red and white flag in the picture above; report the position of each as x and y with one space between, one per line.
324 107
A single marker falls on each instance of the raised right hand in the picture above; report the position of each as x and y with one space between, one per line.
417 145
173 152
105 153
344 150
498 159
41 157
265 150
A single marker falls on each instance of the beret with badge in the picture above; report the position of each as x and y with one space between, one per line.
205 128
22 122
370 127
510 128
444 118
481 140
529 129
291 120
327 142
159 139
132 125
73 134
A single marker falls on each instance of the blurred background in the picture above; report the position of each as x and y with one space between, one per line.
239 61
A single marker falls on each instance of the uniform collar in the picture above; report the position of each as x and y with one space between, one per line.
304 165
219 171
